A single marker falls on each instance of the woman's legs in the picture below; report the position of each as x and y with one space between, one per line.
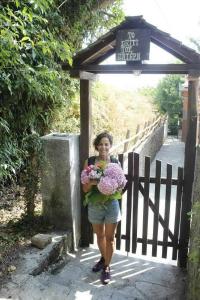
105 240
99 229
110 242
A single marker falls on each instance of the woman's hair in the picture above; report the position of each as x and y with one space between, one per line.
100 136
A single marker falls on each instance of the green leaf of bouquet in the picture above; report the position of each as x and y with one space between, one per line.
95 196
117 195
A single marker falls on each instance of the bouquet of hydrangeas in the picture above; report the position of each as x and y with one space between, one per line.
111 180
92 172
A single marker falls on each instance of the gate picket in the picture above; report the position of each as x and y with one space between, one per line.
129 201
177 213
141 184
167 209
135 201
118 233
146 205
157 204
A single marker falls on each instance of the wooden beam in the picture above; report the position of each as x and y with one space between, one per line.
104 56
85 113
87 75
85 124
174 47
144 68
83 75
189 168
89 52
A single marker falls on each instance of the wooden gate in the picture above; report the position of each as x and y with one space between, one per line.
151 223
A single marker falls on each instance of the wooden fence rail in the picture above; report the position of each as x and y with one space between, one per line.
139 137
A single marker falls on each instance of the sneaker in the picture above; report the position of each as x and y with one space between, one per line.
105 275
99 265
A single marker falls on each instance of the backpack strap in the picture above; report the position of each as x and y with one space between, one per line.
91 160
114 160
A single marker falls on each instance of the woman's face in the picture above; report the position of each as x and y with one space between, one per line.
104 146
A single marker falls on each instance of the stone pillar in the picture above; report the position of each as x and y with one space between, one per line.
60 184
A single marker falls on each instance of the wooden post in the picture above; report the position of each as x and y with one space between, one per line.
85 137
189 167
127 137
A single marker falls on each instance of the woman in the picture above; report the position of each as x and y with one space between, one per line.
104 218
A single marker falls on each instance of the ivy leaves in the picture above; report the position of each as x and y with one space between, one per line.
36 36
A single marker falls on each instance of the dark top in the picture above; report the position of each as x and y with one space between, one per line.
91 160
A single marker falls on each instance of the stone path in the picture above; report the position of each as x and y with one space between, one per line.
133 277
171 152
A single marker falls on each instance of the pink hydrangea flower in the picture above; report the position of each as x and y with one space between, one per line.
90 172
84 177
107 185
113 180
114 170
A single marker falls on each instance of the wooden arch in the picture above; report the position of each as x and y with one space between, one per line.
87 63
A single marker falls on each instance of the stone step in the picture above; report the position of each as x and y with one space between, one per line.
35 260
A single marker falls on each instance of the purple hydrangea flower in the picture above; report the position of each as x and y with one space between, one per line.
114 170
107 185
113 179
84 177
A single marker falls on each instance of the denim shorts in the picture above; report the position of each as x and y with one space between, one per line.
108 213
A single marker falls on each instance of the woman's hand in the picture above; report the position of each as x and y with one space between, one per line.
87 187
93 181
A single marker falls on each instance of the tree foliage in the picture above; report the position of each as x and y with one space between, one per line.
168 99
36 36
118 110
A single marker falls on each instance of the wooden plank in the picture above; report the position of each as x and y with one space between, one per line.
167 209
162 180
174 47
118 233
152 206
146 205
129 202
135 202
144 68
177 211
157 203
96 50
149 241
85 124
160 243
104 56
189 166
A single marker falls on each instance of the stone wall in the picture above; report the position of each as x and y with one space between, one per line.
152 145
194 251
60 185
